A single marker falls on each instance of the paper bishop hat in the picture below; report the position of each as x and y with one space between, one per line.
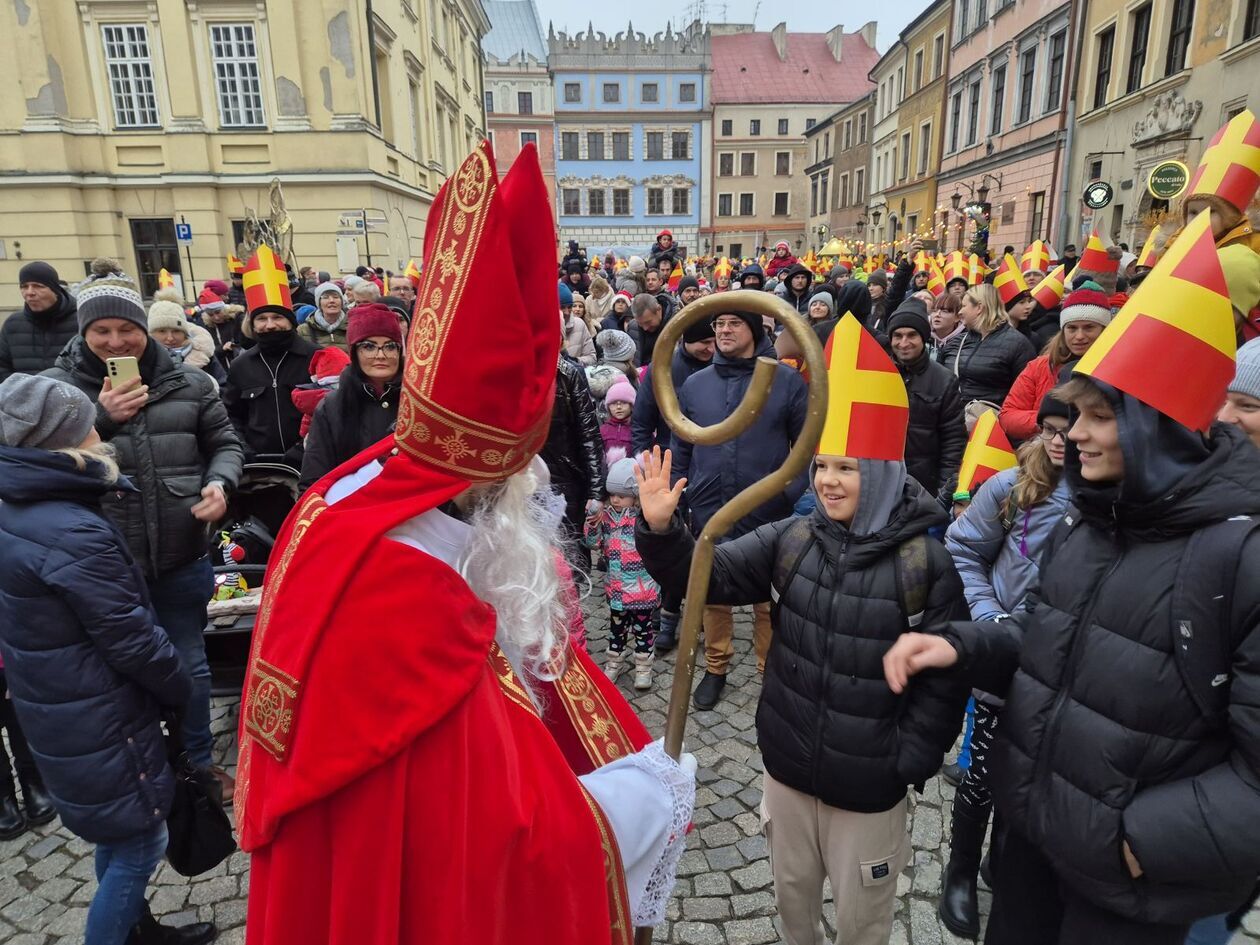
266 283
978 269
164 279
1049 291
723 268
1181 309
234 265
412 272
956 267
1009 281
936 281
1036 256
868 409
483 418
1096 258
675 277
988 452
1148 257
1230 167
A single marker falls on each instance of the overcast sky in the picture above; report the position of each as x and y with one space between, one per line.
649 16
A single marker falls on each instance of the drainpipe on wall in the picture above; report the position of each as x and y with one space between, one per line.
1067 121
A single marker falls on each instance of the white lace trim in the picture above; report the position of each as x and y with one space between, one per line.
679 782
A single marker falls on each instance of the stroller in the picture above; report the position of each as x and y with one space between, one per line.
256 511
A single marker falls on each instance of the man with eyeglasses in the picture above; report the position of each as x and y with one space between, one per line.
716 474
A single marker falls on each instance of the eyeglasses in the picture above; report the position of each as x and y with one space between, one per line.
728 324
371 347
1049 434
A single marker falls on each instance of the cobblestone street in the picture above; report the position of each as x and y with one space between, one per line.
724 894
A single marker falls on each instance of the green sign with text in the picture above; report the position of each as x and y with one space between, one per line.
1168 180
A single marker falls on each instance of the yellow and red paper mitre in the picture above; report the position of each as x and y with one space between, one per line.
868 408
234 264
675 277
1036 256
723 268
1096 258
1182 310
412 272
1148 256
1230 167
936 280
988 453
454 414
266 283
922 262
1050 290
956 267
1009 281
164 280
977 269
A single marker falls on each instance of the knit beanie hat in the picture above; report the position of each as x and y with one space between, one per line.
303 312
327 364
836 272
700 331
688 282
217 286
325 287
826 298
372 319
566 295
1087 303
601 377
1246 370
911 313
878 277
165 314
351 281
1242 275
109 293
43 274
1051 406
754 323
621 392
623 294
616 345
637 264
40 413
621 479
782 244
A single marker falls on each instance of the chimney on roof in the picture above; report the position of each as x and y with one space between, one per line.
779 36
867 32
835 41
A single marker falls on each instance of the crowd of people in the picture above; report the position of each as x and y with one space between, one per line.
1031 514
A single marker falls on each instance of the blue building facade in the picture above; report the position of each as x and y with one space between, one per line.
632 125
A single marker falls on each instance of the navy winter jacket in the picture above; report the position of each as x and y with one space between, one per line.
648 427
86 665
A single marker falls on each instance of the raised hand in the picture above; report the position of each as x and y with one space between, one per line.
656 498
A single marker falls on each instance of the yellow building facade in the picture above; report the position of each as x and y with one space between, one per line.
134 116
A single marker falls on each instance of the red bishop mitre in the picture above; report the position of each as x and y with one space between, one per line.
479 384
266 283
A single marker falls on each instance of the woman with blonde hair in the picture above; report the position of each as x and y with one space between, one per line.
599 302
996 544
989 355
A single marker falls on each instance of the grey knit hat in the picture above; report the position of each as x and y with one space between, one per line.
621 479
1246 371
40 413
826 298
110 296
616 345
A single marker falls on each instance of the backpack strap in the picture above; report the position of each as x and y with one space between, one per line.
794 543
1202 605
911 574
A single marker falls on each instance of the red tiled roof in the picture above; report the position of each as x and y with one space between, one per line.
747 70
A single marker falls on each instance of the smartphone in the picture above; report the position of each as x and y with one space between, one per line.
930 245
121 370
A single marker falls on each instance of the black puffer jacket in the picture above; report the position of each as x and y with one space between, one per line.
648 428
989 365
346 422
827 724
1101 741
177 444
30 341
574 451
798 302
86 666
645 341
937 434
259 399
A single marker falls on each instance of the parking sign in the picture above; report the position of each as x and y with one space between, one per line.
183 233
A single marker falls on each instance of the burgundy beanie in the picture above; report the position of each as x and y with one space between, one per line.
371 319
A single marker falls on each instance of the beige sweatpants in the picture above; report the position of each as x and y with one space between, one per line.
862 855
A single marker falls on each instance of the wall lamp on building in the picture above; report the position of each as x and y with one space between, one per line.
982 192
823 230
875 215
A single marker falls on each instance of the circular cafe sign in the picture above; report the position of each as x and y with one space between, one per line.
1168 180
1098 195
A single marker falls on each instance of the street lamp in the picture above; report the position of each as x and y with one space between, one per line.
955 199
875 214
982 192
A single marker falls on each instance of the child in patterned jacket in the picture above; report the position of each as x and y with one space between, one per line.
633 597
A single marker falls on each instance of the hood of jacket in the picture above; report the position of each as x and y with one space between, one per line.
796 269
753 270
34 475
856 298
908 513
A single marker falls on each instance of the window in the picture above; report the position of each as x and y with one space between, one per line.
656 200
982 13
938 55
912 223
384 100
1251 25
848 134
621 145
1095 170
687 92
1027 72
782 163
998 103
973 113
682 201
529 137
859 185
810 122
726 127
130 76
905 155
918 69
754 127
594 145
612 93
1179 35
745 205
236 75
568 145
925 147
964 11
813 196
780 203
783 126
827 144
862 129
489 101
413 100
955 120
650 92
595 203
1140 31
680 145
1054 81
156 249
737 250
842 192
656 145
726 165
572 92
572 201
724 205
822 191
525 103
621 201
1036 215
747 164
1102 73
